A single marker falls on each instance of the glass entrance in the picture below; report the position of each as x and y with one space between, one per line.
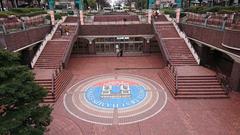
108 45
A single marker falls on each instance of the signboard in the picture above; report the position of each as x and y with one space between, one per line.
51 4
122 38
79 4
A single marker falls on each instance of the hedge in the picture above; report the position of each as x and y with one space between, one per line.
172 12
56 15
35 13
217 9
25 10
22 12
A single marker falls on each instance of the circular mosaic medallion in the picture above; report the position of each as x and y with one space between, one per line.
115 99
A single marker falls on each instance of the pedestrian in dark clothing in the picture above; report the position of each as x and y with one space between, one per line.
66 29
61 29
121 52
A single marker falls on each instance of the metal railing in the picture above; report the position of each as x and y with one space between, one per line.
55 75
70 44
44 43
224 81
175 76
61 63
159 36
186 40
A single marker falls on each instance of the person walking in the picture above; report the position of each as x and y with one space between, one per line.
61 29
66 30
117 50
121 52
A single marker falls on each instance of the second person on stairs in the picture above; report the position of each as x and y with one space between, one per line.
66 29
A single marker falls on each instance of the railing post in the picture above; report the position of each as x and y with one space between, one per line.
53 88
224 22
23 26
176 82
4 29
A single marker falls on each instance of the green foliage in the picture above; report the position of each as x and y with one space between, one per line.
141 4
4 14
172 12
70 12
34 13
19 99
196 9
91 3
216 9
23 12
57 16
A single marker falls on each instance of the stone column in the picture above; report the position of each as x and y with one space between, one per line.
27 55
177 15
81 17
203 52
31 53
52 16
235 76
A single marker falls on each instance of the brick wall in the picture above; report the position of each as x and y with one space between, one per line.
21 39
136 29
232 38
207 35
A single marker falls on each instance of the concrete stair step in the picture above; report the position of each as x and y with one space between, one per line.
48 100
197 77
202 93
201 90
182 86
197 81
201 96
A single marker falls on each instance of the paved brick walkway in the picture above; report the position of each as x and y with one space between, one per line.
179 117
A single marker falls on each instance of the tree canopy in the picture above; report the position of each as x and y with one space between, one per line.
20 112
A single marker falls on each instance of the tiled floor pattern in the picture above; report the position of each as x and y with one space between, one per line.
178 117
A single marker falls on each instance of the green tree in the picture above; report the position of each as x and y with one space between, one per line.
141 4
20 96
91 3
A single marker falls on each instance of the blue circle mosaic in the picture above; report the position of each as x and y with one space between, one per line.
115 96
115 99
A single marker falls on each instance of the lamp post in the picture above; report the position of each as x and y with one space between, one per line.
51 4
150 6
79 5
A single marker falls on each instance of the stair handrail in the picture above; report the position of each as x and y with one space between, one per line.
46 39
224 81
71 43
167 54
53 88
174 72
176 80
186 40
55 74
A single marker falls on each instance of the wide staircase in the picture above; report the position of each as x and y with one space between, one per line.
52 55
50 62
179 54
183 77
